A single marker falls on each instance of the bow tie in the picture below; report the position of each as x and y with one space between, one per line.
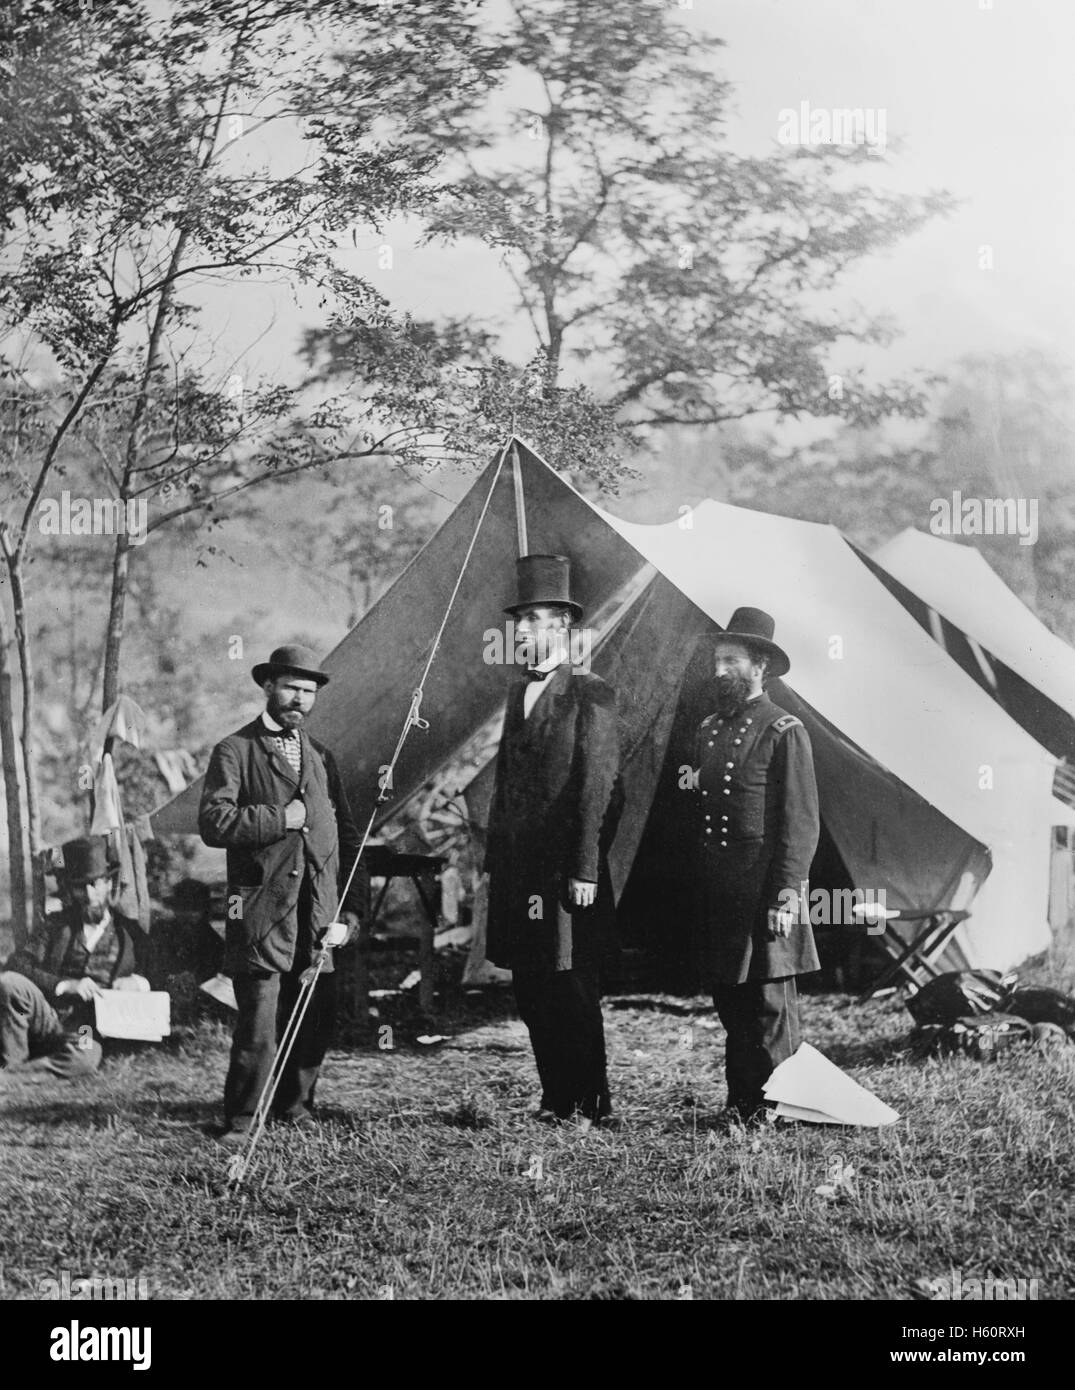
531 675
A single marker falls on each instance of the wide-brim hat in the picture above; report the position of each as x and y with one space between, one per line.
543 579
300 661
755 628
86 859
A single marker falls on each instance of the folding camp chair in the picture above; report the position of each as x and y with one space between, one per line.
931 931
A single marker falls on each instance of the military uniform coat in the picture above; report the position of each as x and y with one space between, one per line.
757 828
556 802
247 787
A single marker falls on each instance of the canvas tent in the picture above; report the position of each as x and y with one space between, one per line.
965 606
928 790
963 603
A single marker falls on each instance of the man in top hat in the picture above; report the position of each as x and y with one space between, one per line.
758 829
48 987
274 800
556 802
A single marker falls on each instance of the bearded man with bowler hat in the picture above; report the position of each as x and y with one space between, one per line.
48 986
556 802
758 828
274 800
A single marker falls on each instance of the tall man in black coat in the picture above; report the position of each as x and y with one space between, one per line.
553 815
273 798
758 829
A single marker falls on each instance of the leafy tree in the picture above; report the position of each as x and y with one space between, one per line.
130 188
694 281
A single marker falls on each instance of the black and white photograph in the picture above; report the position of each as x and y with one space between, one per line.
537 667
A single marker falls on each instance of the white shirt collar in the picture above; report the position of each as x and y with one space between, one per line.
551 664
93 931
533 690
270 723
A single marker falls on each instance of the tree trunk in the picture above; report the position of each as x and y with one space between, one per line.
29 749
16 836
121 565
29 705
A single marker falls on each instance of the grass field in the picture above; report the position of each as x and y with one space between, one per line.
427 1179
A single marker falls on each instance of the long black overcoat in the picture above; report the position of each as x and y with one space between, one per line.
556 802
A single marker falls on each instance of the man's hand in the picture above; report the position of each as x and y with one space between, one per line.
295 814
134 984
781 920
581 892
336 935
85 988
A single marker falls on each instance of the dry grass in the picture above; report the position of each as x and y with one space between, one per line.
427 1179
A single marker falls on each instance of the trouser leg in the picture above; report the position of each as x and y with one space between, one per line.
296 1092
29 1025
253 1046
761 1023
562 1012
531 1000
75 1056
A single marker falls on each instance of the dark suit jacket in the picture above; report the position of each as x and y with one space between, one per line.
247 788
556 802
758 828
57 952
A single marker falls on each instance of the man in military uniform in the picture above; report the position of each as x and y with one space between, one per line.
274 800
555 806
48 986
758 830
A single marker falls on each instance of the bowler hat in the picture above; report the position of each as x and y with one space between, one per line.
754 629
85 859
299 661
543 579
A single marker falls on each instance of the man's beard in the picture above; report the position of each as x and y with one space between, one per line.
92 913
733 691
286 718
543 646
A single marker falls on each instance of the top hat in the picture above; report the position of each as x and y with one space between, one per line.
755 630
300 661
543 579
85 859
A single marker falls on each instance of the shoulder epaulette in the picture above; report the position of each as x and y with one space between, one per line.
786 721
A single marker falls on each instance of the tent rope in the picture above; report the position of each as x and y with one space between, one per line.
240 1164
413 719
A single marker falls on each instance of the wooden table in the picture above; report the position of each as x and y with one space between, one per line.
424 871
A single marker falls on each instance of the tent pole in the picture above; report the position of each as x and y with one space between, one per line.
520 500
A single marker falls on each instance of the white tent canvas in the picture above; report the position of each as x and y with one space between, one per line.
863 662
959 583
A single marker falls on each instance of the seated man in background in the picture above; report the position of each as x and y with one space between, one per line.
48 986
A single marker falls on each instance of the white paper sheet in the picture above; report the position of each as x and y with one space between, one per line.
222 990
810 1082
123 1013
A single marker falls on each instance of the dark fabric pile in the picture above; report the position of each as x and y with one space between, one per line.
979 1013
